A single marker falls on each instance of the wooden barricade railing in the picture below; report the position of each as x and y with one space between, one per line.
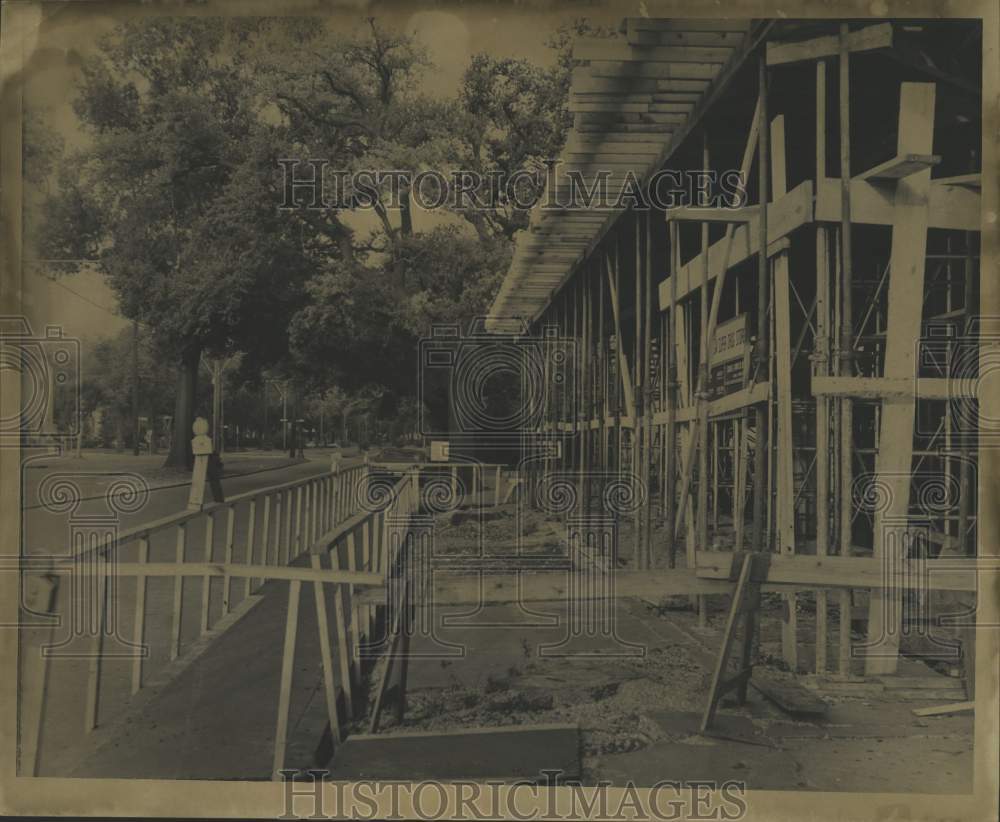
282 523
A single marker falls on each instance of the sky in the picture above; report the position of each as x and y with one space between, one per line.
58 43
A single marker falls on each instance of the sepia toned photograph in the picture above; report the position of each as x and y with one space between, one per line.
487 410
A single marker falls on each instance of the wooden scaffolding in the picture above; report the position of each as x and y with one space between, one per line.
825 412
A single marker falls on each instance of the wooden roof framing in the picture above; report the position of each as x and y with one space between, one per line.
634 98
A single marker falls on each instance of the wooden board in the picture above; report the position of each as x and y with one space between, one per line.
659 71
642 37
870 37
941 710
603 48
508 753
954 207
785 469
894 461
900 166
851 572
898 388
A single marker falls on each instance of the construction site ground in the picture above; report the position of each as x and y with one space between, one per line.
636 696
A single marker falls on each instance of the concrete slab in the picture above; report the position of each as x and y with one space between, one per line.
509 753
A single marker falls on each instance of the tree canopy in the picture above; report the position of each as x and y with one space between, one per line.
176 191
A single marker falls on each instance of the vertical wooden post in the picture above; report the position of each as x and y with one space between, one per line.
228 558
739 480
894 462
584 411
966 465
701 509
602 370
366 565
206 581
40 598
97 646
325 651
638 537
300 519
845 347
308 516
671 378
139 625
178 606
265 535
355 610
286 548
785 468
623 383
647 398
343 651
760 489
287 669
576 441
251 543
821 368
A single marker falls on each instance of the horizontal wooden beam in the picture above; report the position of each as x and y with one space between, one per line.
784 215
951 206
614 119
852 572
612 106
213 569
974 181
600 48
583 82
659 71
942 710
870 37
893 388
644 37
757 393
714 215
899 167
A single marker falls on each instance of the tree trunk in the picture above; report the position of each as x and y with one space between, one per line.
180 455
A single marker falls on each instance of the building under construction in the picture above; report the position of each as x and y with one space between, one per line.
823 412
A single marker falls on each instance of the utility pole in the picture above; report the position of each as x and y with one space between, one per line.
264 441
135 388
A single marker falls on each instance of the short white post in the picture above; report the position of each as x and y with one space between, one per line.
201 447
